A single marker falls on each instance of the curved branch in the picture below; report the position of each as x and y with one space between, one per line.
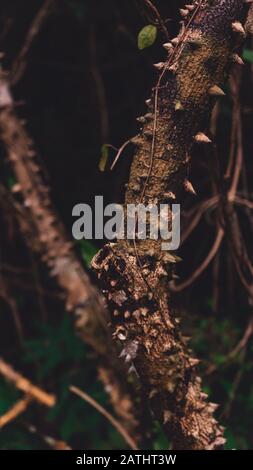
204 265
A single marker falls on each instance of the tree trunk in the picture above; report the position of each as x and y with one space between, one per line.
134 275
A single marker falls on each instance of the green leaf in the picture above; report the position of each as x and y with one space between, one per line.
104 157
248 55
147 36
88 250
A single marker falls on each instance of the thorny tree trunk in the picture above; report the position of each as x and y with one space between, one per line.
134 276
46 237
143 320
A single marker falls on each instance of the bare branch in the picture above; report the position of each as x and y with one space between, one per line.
106 414
25 385
19 64
15 411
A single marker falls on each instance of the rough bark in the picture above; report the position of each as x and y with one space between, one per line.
134 276
45 236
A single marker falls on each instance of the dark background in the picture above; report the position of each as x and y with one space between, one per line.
85 83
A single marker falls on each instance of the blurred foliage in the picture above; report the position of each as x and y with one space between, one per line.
227 380
57 359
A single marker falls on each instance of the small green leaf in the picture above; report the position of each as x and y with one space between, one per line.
147 36
248 55
88 250
104 157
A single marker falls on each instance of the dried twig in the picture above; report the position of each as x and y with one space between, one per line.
132 444
25 385
11 302
158 17
15 411
243 342
55 444
19 64
123 146
200 269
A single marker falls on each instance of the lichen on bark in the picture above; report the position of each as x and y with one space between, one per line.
134 275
